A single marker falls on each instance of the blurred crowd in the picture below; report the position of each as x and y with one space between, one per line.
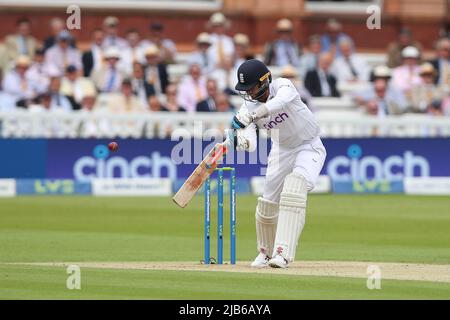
125 71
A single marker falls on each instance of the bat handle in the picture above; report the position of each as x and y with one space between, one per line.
216 154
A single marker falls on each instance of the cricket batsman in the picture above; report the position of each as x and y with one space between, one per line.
295 160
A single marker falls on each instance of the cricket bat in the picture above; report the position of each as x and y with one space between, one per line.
200 174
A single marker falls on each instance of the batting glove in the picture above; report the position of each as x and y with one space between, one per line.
242 119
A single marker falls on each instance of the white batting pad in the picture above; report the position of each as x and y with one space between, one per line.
291 217
266 225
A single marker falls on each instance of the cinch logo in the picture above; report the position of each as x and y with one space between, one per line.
98 166
354 167
278 119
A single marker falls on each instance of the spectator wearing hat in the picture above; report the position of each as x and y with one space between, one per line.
242 49
192 89
407 75
109 78
93 58
22 42
18 88
155 70
141 88
222 46
39 72
421 96
167 48
203 56
321 82
112 38
394 50
332 37
56 26
310 59
442 63
97 127
381 98
284 50
349 67
61 55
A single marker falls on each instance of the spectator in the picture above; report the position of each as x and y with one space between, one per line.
222 47
320 82
310 60
133 53
332 37
155 70
209 104
442 62
39 72
88 102
18 88
223 103
124 101
285 50
141 88
394 50
171 99
192 89
242 49
446 106
47 102
42 102
93 58
56 26
225 76
58 100
109 78
155 104
421 96
4 61
61 55
164 128
202 56
73 86
22 42
407 75
435 108
112 39
93 127
348 67
381 99
289 72
167 48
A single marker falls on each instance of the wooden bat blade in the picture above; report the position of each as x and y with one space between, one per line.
199 176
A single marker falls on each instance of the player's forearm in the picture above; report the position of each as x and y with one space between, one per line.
260 112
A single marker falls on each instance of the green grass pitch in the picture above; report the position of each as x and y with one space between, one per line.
392 228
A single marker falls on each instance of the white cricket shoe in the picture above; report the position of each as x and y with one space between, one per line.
261 261
278 262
